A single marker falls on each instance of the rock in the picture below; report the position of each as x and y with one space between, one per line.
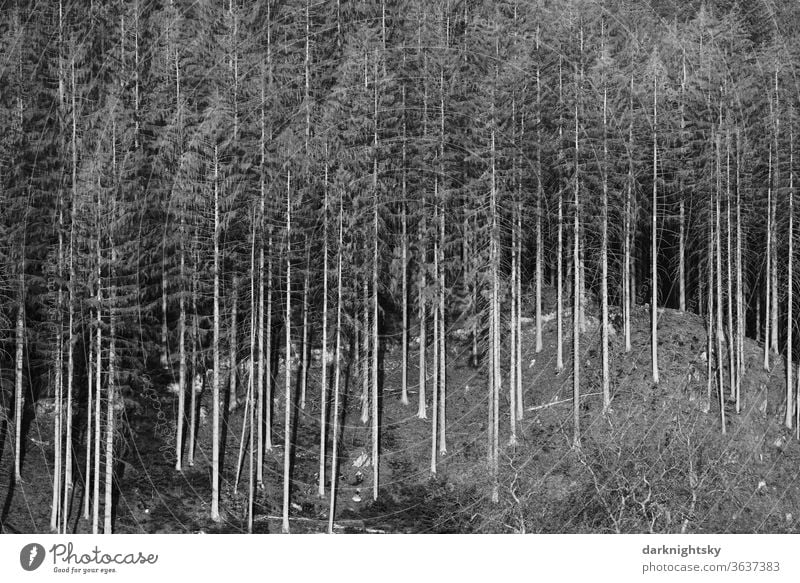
361 461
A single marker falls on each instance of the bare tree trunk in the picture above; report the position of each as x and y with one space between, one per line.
520 413
98 387
305 349
512 370
375 337
604 263
790 297
337 372
681 209
718 270
768 272
232 344
740 312
560 246
404 266
539 197
215 389
627 292
249 401
729 260
324 357
55 509
773 235
576 304
68 462
654 244
287 419
494 402
268 351
182 356
436 330
110 406
87 498
195 344
365 337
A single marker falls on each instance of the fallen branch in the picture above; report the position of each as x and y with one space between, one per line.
547 405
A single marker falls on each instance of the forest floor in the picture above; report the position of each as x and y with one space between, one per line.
656 462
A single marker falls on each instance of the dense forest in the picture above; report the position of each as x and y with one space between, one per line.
224 206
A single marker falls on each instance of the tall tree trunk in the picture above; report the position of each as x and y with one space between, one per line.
604 260
233 348
494 401
268 351
768 271
539 198
110 405
729 261
654 242
404 261
681 206
628 230
375 337
287 418
337 370
560 246
182 355
740 311
19 397
197 377
773 235
576 304
215 453
718 270
98 386
87 497
324 356
304 345
790 296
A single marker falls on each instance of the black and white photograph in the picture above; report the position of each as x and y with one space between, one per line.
399 267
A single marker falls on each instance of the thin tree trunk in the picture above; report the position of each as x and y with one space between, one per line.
627 276
232 344
195 361
268 351
182 358
773 235
654 243
375 338
324 357
110 406
604 264
790 296
576 305
215 453
718 270
87 498
740 312
337 372
729 260
560 246
436 330
98 387
494 403
287 419
768 271
404 266
305 349
681 209
539 197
